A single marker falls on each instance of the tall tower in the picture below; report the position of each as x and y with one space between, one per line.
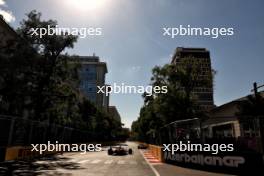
201 57
92 74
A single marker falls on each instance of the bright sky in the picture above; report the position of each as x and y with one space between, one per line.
132 42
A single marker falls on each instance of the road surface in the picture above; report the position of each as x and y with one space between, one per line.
97 164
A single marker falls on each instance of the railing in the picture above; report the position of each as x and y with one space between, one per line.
16 131
230 132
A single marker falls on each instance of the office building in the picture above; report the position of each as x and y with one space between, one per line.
92 74
201 57
113 112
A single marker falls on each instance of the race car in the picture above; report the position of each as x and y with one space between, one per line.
120 149
142 146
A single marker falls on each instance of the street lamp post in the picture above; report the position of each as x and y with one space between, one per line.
261 129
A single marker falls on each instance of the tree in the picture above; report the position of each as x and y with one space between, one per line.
50 79
178 103
252 106
39 81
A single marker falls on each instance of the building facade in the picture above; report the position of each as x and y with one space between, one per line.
92 74
113 112
7 33
201 57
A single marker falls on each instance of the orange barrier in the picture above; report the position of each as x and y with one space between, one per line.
156 152
19 152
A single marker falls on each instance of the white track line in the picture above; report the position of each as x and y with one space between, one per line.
73 160
121 162
96 161
153 169
132 162
109 161
83 161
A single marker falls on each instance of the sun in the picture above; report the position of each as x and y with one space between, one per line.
87 5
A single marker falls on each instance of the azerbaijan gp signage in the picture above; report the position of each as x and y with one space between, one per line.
231 162
200 159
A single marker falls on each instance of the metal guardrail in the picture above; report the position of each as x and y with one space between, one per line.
196 131
16 131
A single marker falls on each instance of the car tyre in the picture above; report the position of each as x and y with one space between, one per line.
130 152
110 152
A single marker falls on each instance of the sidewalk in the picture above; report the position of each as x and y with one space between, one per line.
172 170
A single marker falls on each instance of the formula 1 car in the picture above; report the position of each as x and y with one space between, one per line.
142 146
120 149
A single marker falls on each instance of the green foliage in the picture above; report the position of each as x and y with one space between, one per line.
177 104
39 81
252 106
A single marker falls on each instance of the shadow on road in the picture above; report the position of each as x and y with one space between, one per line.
38 166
